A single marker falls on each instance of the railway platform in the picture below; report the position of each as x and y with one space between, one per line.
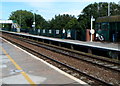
101 45
21 67
109 50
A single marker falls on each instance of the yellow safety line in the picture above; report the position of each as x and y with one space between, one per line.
19 68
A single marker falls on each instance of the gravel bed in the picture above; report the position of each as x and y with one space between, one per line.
106 75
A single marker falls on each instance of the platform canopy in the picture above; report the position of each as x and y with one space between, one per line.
7 21
108 19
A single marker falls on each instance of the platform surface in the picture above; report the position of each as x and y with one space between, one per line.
100 45
19 67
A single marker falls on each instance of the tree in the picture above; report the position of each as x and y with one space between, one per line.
97 10
72 24
41 23
60 21
26 18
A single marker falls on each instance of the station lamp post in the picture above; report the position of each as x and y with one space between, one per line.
20 18
34 18
108 9
92 31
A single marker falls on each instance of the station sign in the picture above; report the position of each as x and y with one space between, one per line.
63 30
92 31
68 33
33 25
50 31
57 31
43 30
38 30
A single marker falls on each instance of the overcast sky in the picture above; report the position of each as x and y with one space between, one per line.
46 8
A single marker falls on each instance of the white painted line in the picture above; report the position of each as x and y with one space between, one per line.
60 71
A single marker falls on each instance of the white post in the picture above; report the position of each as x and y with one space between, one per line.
108 9
20 20
34 20
91 29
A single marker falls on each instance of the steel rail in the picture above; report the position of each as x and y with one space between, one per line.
70 67
89 61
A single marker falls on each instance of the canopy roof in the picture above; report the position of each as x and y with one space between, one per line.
108 19
7 21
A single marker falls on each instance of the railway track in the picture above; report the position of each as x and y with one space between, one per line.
65 52
87 58
99 61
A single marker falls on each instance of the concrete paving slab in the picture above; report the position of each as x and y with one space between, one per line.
38 71
15 79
